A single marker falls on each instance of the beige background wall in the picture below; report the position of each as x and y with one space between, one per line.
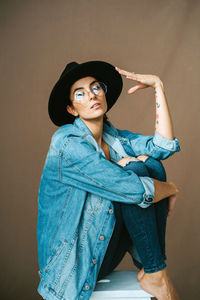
38 38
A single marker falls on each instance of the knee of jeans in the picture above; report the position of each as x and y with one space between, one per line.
138 167
156 169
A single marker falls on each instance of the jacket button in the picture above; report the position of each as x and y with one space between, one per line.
102 237
111 211
94 261
149 199
87 287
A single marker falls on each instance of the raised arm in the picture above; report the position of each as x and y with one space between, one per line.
163 121
164 134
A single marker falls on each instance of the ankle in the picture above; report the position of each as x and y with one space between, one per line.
159 275
159 285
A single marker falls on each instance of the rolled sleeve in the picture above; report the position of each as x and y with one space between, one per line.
171 145
155 146
148 196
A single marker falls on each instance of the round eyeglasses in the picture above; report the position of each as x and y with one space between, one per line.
98 88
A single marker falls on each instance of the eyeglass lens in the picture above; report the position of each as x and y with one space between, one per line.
97 88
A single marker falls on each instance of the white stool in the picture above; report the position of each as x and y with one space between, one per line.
119 285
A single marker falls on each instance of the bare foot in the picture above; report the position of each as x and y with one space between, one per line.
140 274
159 285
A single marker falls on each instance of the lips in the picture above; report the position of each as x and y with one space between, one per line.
97 104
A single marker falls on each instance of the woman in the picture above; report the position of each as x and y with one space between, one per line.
95 202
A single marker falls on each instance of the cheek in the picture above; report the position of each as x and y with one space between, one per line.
82 109
105 103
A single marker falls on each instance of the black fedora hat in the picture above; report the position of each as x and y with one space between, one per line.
59 97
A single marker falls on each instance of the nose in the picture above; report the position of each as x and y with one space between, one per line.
91 94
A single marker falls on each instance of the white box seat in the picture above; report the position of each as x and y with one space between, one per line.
119 285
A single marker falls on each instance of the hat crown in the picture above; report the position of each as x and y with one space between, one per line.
59 97
68 68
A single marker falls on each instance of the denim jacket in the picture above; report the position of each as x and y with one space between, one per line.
75 210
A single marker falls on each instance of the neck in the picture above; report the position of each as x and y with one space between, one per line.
96 127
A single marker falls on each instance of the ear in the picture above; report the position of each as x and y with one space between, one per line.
72 111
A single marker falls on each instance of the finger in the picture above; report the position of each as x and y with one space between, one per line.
170 208
137 77
172 201
143 157
123 72
136 87
131 75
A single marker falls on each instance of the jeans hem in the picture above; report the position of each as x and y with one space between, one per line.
155 269
137 263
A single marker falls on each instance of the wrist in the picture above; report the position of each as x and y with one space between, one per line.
163 189
174 189
158 85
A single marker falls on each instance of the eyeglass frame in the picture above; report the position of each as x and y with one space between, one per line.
103 88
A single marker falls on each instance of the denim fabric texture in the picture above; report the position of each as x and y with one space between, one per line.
75 203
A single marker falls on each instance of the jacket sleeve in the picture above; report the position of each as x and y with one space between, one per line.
156 146
85 168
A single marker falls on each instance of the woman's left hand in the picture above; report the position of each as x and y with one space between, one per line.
143 80
125 160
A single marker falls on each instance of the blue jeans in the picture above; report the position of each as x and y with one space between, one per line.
143 227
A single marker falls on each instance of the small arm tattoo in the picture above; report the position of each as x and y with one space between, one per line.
157 104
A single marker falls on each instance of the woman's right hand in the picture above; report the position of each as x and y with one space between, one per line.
172 202
163 190
172 199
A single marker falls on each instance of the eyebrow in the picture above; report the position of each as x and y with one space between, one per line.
82 87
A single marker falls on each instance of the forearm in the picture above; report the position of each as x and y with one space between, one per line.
163 122
163 189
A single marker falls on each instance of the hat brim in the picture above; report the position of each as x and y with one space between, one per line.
100 70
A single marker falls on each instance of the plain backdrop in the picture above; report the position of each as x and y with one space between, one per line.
38 38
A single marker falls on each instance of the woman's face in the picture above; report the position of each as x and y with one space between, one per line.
83 97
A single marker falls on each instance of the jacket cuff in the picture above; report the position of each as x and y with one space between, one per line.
161 141
148 196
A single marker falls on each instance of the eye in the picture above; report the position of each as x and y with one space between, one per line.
79 96
96 88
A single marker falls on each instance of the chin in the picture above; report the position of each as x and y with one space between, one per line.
99 114
93 116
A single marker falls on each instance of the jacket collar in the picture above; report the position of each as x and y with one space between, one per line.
110 135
